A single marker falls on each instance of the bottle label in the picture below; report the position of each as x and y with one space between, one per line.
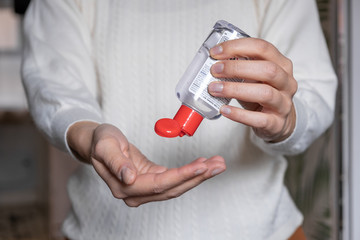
202 80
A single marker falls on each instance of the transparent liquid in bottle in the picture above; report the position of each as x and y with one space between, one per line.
192 88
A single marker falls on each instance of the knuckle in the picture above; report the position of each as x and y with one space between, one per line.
263 123
294 87
269 123
267 94
262 46
271 70
287 107
277 125
288 65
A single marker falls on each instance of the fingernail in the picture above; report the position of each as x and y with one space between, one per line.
216 171
127 175
216 87
216 50
225 110
217 67
200 171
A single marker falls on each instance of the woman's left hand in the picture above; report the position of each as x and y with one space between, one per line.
267 91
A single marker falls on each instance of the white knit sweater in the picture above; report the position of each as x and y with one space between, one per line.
118 61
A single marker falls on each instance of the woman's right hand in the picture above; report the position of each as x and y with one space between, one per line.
128 173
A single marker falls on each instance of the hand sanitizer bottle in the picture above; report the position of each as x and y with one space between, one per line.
192 91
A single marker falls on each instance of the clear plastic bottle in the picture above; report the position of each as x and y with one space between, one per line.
192 91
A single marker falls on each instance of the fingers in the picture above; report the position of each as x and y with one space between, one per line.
268 123
132 177
270 97
112 152
114 168
269 126
259 70
262 94
266 63
252 48
172 183
175 182
270 119
111 180
161 182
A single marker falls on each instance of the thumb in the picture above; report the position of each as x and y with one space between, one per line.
127 175
115 161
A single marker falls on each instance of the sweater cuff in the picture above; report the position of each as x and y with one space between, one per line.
63 120
291 145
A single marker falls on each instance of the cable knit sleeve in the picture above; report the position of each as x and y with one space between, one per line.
294 28
57 71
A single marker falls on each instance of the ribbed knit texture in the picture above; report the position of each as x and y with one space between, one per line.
119 61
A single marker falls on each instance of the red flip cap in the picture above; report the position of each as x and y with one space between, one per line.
185 122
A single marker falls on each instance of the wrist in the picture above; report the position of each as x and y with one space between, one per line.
79 138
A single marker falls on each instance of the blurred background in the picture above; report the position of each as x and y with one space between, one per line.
322 181
33 175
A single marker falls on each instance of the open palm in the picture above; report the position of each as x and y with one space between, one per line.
135 179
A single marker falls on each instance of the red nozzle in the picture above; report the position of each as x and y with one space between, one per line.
185 122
